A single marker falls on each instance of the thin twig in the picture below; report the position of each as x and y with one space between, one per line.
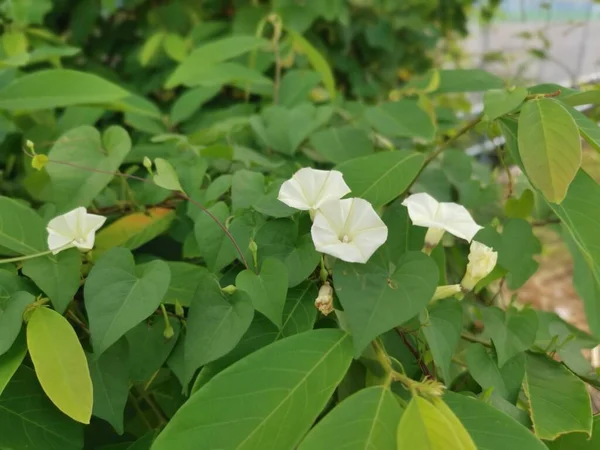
415 353
543 223
475 339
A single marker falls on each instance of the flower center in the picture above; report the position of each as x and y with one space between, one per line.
345 239
80 240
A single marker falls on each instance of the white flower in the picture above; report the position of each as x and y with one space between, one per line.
426 211
76 228
482 260
348 229
324 301
309 188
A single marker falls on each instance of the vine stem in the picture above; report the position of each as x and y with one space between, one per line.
25 257
179 194
415 353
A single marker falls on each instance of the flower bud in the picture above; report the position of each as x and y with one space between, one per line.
229 289
433 237
446 291
482 260
324 301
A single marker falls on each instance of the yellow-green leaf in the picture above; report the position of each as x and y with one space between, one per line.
60 363
549 146
432 425
166 176
151 47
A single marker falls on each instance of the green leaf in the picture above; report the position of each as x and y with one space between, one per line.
190 101
150 48
84 147
166 177
442 329
578 441
317 61
490 428
211 53
118 295
505 380
216 323
522 207
246 188
296 86
57 275
367 419
498 102
12 307
512 331
588 128
175 46
558 400
302 260
299 312
148 347
110 377
217 249
57 88
396 294
404 118
60 363
549 146
237 409
11 360
184 279
22 231
405 237
381 177
134 230
342 143
428 425
28 420
267 290
467 80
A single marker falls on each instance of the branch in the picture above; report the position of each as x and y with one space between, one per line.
415 353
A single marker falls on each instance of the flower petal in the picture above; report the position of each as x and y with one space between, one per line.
58 242
346 252
458 221
422 209
92 223
334 188
310 188
291 194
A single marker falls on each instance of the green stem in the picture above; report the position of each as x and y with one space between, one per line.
24 257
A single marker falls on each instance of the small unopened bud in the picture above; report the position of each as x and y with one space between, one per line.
446 291
229 289
430 388
482 260
324 301
179 309
147 164
169 332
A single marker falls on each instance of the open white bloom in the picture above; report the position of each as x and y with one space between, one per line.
309 188
76 228
324 302
482 260
348 229
426 211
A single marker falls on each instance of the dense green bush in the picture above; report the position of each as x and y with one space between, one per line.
179 269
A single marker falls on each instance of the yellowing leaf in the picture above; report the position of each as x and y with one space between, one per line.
60 363
134 230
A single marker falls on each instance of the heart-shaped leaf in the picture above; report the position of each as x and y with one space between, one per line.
378 296
119 295
268 289
216 323
512 332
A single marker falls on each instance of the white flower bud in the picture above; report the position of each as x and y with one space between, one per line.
446 291
482 260
324 301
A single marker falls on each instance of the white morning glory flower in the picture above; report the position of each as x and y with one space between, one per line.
482 260
76 228
309 188
348 229
426 211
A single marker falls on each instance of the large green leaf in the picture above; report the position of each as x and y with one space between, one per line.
60 363
110 377
426 425
505 380
184 279
498 102
118 295
377 298
12 307
405 237
148 347
240 409
216 248
490 428
549 146
57 275
210 54
216 323
21 229
467 80
558 400
299 312
342 143
442 329
268 289
367 419
578 441
11 360
512 331
296 86
404 118
381 177
56 88
84 147
28 420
